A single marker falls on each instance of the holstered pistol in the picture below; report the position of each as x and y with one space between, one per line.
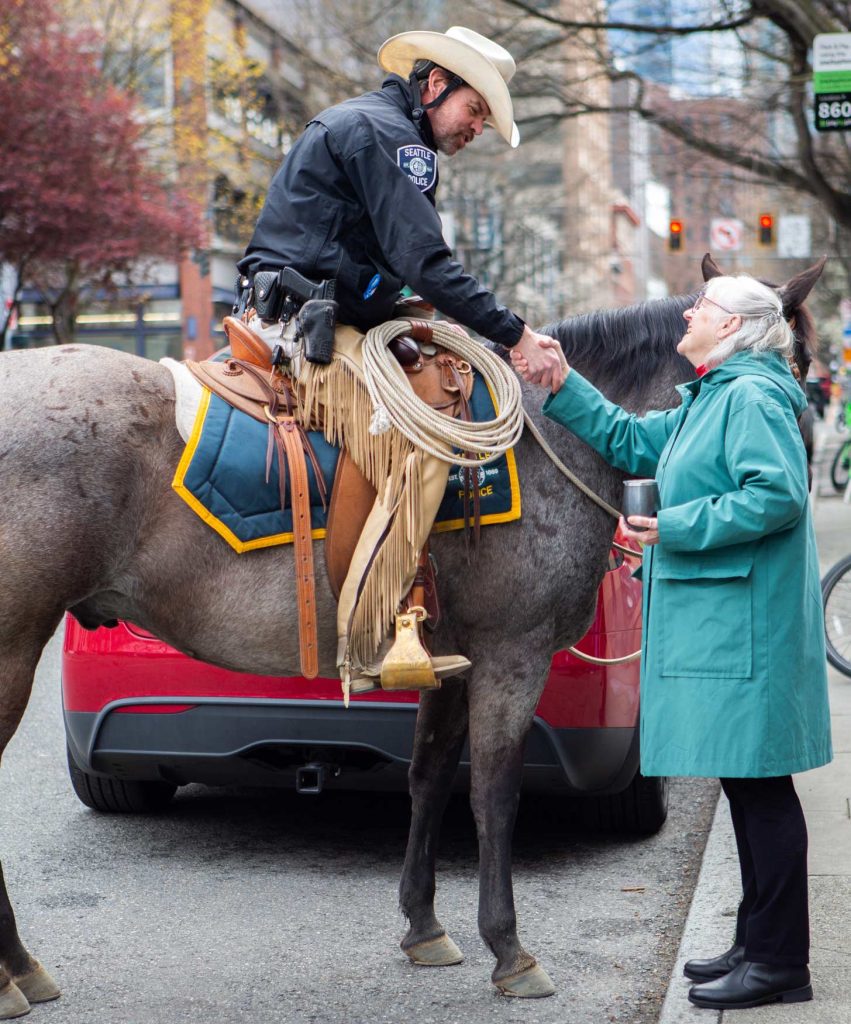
317 320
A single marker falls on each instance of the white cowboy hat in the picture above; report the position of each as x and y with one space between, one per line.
485 66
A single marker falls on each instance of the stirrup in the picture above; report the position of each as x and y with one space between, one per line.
408 665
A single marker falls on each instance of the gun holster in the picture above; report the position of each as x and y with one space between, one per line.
316 322
278 293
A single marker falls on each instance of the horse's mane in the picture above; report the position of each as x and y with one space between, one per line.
624 350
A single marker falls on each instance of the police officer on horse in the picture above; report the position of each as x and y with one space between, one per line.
350 216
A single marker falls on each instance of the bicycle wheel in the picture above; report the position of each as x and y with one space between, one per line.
841 467
836 595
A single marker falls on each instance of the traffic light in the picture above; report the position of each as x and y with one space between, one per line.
675 235
766 229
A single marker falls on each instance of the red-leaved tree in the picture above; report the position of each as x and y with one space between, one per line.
80 206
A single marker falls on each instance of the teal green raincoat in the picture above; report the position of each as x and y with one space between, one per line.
733 675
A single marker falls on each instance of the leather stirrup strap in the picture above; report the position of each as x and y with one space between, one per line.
302 544
423 592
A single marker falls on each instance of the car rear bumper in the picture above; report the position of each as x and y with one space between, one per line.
230 741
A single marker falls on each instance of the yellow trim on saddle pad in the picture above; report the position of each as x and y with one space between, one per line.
199 509
452 498
493 517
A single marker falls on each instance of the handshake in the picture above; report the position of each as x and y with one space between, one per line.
539 359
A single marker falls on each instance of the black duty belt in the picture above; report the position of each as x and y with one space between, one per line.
284 294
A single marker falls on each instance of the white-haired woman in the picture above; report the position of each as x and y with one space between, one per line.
733 680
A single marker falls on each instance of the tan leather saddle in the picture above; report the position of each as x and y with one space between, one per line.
249 382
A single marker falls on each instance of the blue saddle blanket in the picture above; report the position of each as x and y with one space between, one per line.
222 477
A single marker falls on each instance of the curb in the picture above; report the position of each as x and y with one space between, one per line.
711 921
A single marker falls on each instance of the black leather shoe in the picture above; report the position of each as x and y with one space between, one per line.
717 967
752 984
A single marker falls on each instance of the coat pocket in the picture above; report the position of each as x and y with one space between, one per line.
706 628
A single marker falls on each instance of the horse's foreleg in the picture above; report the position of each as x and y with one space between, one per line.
499 721
22 979
440 733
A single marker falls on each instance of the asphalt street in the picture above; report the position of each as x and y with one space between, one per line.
272 907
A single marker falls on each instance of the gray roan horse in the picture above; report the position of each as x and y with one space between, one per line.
89 522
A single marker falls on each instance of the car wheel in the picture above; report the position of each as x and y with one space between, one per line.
118 796
640 809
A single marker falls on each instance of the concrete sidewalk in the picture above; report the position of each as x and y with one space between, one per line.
826 796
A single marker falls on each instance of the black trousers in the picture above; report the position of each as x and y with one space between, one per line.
771 836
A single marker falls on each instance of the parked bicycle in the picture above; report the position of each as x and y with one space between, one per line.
840 468
836 595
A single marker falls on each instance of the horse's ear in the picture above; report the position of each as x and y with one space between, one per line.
797 288
710 268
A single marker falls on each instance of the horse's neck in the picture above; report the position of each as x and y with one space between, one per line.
537 468
630 354
643 393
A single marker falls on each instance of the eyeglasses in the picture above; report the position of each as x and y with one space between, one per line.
703 297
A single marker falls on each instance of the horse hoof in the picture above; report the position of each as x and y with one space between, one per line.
533 983
439 952
38 986
13 1002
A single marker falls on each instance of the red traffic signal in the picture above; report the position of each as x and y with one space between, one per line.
675 235
766 229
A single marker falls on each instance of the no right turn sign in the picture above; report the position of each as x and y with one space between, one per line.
725 234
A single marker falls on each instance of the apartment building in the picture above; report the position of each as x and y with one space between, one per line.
223 93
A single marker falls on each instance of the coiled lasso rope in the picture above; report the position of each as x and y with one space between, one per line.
442 436
434 432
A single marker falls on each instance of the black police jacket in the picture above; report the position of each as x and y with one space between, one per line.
354 201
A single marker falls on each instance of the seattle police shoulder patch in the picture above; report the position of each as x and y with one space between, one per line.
420 164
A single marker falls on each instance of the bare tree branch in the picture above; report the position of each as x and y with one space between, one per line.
631 26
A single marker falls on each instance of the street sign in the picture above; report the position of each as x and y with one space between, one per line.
726 233
793 236
832 81
832 61
833 111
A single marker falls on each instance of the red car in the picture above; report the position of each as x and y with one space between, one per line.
142 719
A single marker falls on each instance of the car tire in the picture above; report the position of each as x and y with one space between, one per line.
118 796
639 810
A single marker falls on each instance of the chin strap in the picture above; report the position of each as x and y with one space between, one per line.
454 83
